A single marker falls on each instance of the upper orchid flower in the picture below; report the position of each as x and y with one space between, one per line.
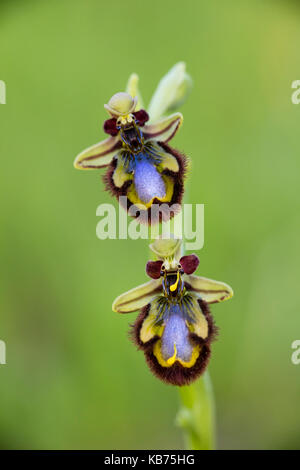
174 327
140 163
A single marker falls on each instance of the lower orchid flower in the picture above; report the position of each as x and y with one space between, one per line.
174 327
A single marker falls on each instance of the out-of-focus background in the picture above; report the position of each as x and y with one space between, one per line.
72 378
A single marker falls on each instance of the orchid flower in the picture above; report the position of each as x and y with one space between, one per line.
174 327
139 162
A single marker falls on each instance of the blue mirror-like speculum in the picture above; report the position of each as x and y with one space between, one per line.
139 162
174 327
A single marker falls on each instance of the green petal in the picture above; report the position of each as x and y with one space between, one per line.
171 92
207 289
137 298
163 130
167 160
199 325
120 176
99 155
150 327
166 247
133 89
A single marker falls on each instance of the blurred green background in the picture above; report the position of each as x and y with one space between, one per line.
72 378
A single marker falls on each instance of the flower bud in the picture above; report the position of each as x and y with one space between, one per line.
172 91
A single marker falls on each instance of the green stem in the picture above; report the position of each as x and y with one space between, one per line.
196 415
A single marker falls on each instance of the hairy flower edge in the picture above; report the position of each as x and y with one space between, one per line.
161 210
176 374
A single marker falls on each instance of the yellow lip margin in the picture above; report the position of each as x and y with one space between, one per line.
169 362
134 199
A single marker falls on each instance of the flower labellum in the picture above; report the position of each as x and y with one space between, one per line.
140 163
174 327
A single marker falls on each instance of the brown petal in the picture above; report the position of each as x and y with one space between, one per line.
141 116
110 127
189 263
153 269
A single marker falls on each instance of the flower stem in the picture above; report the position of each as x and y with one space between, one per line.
196 415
